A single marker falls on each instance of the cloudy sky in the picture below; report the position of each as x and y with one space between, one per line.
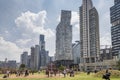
22 21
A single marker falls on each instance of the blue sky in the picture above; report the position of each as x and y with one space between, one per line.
21 22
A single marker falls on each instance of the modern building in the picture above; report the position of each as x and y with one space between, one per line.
115 29
106 54
76 52
37 57
64 39
44 55
42 42
32 65
89 34
24 58
11 64
51 59
29 61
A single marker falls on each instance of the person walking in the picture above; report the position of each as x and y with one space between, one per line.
64 73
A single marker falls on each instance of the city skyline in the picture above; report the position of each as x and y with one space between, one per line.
21 24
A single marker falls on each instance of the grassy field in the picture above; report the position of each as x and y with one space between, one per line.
81 76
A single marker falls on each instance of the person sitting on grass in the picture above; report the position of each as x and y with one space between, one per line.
106 76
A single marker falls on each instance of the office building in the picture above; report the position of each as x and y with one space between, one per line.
24 58
115 29
63 54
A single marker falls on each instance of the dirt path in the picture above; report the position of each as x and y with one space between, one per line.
33 76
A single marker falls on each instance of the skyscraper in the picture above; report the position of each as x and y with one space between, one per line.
115 29
43 53
64 38
37 56
42 42
24 58
89 32
32 65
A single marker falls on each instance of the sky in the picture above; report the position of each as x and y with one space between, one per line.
22 21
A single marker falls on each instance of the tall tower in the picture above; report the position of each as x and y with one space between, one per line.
32 65
37 56
89 32
64 38
42 42
43 61
115 29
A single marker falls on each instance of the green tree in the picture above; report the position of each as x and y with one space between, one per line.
61 67
22 66
118 65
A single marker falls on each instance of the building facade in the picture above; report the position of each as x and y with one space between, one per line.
89 33
64 38
106 54
29 61
44 55
115 29
24 58
32 63
37 57
11 64
76 52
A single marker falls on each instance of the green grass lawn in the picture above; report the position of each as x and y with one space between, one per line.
81 76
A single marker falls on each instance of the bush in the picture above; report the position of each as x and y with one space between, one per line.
114 73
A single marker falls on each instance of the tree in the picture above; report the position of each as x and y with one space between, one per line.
61 67
118 65
22 66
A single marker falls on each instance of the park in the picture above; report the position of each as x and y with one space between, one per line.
115 75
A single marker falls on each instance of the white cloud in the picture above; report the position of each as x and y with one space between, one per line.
31 26
75 18
75 24
23 42
34 23
106 39
9 50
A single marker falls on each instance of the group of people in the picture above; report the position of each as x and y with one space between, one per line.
65 72
68 71
17 73
50 73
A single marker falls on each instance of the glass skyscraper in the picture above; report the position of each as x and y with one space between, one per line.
115 29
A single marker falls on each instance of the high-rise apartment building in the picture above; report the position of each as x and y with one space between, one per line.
115 29
64 38
89 32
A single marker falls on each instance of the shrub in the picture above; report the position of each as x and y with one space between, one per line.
114 73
